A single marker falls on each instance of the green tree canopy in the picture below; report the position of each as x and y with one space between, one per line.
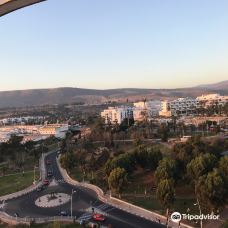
167 169
210 190
68 161
165 192
117 179
125 161
201 165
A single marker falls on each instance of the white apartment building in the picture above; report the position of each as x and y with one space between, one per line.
146 109
117 114
212 99
180 106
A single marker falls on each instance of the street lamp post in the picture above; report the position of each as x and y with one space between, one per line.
200 211
34 175
71 204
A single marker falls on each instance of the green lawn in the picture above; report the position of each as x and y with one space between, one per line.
53 146
151 203
76 174
16 182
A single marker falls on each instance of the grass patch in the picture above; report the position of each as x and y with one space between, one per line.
16 182
53 146
149 202
76 174
152 203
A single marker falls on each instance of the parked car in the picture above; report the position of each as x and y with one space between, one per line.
50 174
98 217
46 182
63 213
40 188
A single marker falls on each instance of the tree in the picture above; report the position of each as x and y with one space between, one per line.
154 157
68 161
201 165
163 132
167 169
117 178
125 161
147 158
223 169
210 190
126 123
166 193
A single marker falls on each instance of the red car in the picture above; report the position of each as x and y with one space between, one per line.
98 217
46 182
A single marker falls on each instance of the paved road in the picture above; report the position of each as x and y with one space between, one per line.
83 199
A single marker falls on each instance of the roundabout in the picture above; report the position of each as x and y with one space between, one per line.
52 200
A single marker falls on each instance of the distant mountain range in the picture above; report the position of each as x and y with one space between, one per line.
217 86
35 97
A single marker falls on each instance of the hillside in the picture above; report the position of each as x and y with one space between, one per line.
217 86
34 97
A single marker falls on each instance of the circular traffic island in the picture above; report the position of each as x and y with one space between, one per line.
52 200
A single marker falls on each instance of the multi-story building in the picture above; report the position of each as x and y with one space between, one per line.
147 109
117 114
57 130
180 106
212 99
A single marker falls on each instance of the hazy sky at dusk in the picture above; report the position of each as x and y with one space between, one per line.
114 43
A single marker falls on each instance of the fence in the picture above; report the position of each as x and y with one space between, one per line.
16 220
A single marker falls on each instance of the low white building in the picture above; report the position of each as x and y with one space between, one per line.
20 120
180 106
57 130
117 114
212 99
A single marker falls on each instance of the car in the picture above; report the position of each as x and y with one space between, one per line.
98 217
40 188
63 213
49 174
48 162
16 215
46 182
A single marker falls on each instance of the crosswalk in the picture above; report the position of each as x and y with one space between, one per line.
102 208
86 216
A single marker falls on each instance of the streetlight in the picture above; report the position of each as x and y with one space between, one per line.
34 174
71 204
195 204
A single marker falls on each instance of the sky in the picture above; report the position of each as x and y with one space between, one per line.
107 44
